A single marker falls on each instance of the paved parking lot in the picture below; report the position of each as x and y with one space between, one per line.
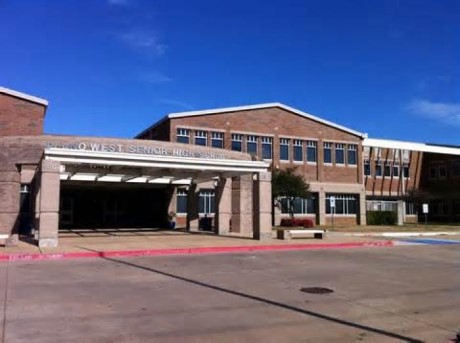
406 293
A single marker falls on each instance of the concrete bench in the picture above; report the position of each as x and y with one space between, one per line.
3 238
299 233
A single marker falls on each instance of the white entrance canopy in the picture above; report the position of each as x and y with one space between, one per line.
84 165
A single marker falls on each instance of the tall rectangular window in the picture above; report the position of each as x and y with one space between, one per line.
284 149
206 201
339 153
327 152
378 168
395 169
456 167
406 170
267 148
311 151
410 208
237 142
181 201
201 138
352 154
367 168
217 140
442 171
387 170
298 150
183 136
251 145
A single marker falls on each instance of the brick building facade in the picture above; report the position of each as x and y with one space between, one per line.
212 169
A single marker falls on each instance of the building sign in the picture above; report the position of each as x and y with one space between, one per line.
332 200
137 149
425 208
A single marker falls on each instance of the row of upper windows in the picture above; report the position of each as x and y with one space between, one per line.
387 169
297 150
442 170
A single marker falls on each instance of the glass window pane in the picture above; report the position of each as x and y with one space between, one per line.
284 152
298 153
267 151
311 154
182 139
236 146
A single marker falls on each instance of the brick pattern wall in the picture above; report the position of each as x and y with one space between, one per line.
278 123
20 117
392 185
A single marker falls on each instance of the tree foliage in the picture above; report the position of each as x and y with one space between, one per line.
287 184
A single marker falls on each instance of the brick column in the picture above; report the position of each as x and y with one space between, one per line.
242 205
9 204
322 207
362 208
223 206
49 204
262 195
192 209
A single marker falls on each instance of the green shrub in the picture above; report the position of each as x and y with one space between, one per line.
381 218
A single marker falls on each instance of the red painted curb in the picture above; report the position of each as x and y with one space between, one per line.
183 251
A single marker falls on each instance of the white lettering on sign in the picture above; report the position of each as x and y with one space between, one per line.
136 149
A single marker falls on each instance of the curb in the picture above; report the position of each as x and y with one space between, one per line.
397 234
185 251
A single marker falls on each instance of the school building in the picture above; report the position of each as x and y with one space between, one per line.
209 170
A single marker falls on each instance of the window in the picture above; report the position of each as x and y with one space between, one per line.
266 148
311 151
351 152
217 140
327 152
367 168
456 167
339 153
442 171
406 170
300 205
251 145
206 201
387 170
201 138
378 168
284 149
410 209
344 203
433 172
395 170
183 136
181 201
237 142
298 150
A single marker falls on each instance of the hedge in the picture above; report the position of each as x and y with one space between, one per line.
305 222
381 218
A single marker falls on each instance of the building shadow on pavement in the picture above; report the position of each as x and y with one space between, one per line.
264 300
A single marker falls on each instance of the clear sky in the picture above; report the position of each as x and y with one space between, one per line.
113 67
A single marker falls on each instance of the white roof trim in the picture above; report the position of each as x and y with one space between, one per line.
267 105
390 144
24 96
134 160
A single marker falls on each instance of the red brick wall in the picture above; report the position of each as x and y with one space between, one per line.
20 117
279 123
383 185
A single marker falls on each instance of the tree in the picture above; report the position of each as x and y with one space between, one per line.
287 184
417 196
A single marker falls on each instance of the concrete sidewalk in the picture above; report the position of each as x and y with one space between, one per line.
139 242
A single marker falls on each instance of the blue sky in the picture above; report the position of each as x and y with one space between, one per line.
113 67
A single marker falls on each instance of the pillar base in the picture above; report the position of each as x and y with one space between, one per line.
12 241
263 236
48 242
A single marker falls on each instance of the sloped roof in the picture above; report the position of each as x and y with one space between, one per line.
24 96
256 107
423 147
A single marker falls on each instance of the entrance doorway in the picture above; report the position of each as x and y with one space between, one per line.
113 205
